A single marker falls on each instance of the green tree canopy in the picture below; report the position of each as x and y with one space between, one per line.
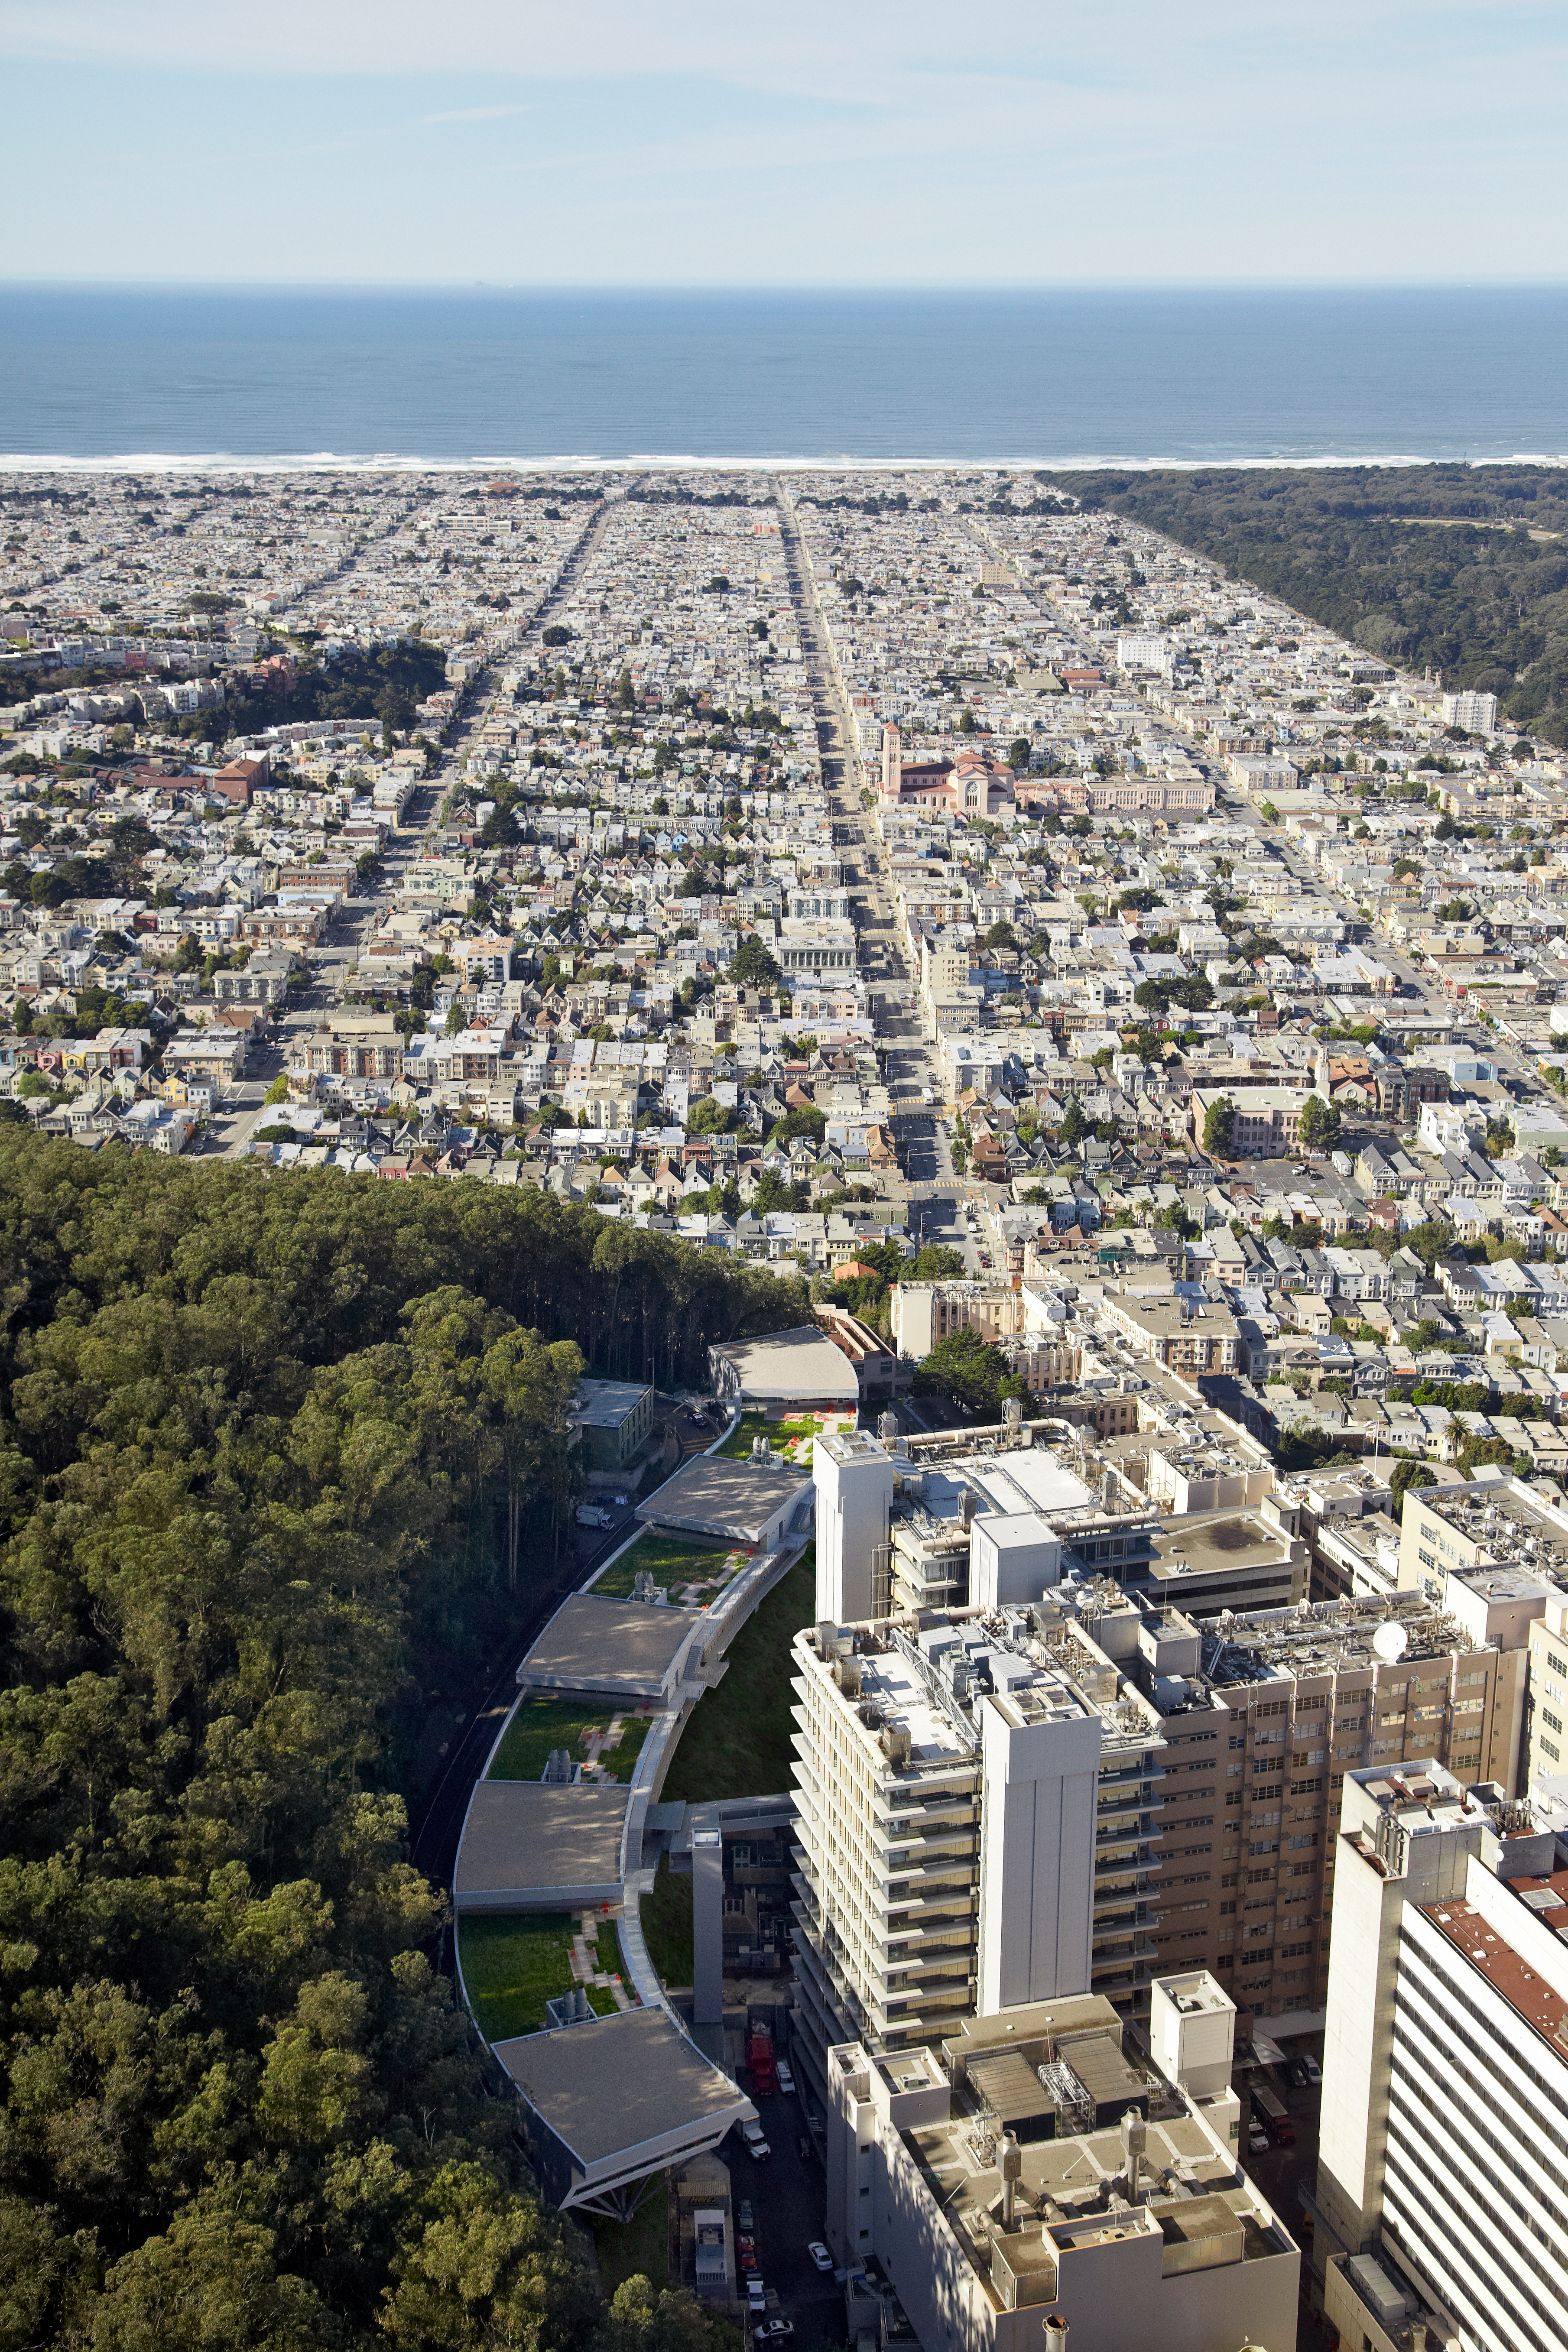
1219 1127
971 1371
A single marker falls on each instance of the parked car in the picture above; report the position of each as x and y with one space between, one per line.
756 2293
1257 2139
786 2080
804 2149
772 2331
744 2216
757 2145
820 2255
749 2259
1312 2070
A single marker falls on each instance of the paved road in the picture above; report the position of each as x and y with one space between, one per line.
787 2194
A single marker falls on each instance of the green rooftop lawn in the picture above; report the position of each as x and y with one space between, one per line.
669 1557
736 1743
777 1432
542 1723
514 1965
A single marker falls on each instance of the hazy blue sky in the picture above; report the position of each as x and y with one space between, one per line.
820 142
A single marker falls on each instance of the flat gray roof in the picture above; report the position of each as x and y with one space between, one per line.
608 2087
527 1845
719 1495
604 1405
594 1643
784 1367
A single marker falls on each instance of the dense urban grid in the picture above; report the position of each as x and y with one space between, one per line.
982 1101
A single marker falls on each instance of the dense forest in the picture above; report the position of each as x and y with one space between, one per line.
265 1443
1460 568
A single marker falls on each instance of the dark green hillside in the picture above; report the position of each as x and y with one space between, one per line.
257 1441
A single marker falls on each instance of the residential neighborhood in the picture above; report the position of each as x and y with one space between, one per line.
803 864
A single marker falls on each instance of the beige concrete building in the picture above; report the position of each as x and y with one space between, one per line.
1036 2178
1264 1716
926 1312
1188 1336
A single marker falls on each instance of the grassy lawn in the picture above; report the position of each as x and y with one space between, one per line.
637 2248
737 1742
667 1925
669 1558
609 1950
777 1432
513 1967
542 1723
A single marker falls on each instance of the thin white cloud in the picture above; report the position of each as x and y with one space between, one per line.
474 114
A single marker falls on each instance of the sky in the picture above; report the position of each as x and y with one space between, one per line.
824 142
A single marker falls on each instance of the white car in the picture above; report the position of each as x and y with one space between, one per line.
756 2294
820 2255
757 2145
786 2080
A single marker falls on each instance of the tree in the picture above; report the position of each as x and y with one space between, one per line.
1318 1127
1074 1126
558 633
708 1117
938 1263
278 1092
752 965
1001 936
1408 1473
1193 995
1019 752
1219 1128
968 1368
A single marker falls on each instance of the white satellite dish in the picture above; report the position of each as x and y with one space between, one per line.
1391 1640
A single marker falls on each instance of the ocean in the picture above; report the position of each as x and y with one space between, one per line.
491 376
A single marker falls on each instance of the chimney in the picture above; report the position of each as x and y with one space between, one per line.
1134 2141
1012 2168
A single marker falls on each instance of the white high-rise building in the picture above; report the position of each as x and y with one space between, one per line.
854 1476
1476 713
1442 2189
979 1813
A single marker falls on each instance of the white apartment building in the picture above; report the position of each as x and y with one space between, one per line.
978 1815
1136 651
1038 2178
1476 713
1442 2188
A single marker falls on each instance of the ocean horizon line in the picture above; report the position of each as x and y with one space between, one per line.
394 461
